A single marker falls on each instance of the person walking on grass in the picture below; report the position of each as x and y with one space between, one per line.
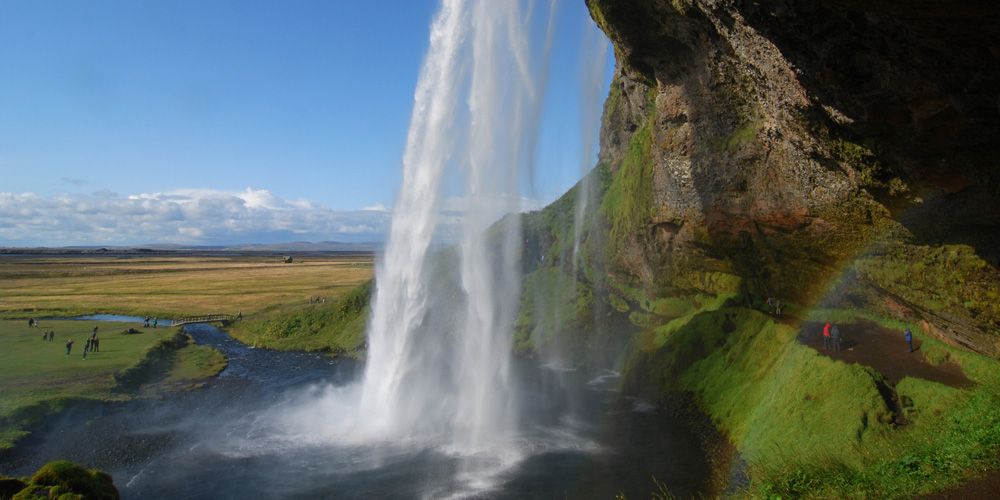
826 336
69 346
95 346
154 323
909 338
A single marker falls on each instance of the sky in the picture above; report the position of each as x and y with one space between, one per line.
230 122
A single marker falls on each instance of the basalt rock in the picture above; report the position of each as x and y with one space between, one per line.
782 141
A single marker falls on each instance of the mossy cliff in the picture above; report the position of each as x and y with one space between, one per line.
840 156
819 151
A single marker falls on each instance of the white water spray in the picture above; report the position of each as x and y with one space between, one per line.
438 354
595 50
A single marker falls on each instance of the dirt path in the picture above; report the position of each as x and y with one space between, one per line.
987 486
868 343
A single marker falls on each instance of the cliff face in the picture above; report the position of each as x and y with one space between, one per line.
831 152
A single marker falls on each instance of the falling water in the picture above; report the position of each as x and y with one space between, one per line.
438 357
437 413
595 49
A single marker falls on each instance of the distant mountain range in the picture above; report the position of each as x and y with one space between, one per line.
297 246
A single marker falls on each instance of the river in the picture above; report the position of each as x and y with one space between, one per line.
264 429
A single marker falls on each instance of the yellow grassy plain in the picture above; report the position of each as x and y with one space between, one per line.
170 286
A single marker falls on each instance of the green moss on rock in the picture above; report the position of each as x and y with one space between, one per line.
65 480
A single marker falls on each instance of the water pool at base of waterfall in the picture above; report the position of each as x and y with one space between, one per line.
267 428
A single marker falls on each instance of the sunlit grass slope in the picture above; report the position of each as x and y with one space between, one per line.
333 326
812 427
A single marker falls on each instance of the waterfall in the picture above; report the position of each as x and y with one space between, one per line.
595 48
439 335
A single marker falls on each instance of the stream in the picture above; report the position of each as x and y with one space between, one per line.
270 426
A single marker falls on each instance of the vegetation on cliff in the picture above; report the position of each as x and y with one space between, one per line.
736 167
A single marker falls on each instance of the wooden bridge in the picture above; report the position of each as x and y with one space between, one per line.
224 319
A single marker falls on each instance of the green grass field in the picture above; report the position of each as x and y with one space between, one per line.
38 377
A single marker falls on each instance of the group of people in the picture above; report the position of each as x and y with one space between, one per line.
831 337
773 306
93 345
49 335
146 322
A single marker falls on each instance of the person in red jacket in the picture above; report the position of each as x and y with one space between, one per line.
826 336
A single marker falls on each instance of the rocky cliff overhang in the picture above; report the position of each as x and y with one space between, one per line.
813 120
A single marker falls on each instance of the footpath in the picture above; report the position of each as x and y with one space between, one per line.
868 343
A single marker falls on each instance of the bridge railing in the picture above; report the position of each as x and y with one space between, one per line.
207 318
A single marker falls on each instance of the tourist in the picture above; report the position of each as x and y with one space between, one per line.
85 350
154 323
52 334
835 333
909 338
769 304
826 336
95 332
69 346
96 345
777 307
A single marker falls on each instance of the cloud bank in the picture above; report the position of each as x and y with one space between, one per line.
194 217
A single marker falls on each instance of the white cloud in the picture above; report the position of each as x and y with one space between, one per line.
205 217
192 216
377 208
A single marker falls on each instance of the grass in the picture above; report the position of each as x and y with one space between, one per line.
627 200
811 427
62 480
170 286
39 378
337 327
948 278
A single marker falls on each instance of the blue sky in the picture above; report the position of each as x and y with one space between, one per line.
210 122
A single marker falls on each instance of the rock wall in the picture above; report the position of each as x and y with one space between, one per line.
795 144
